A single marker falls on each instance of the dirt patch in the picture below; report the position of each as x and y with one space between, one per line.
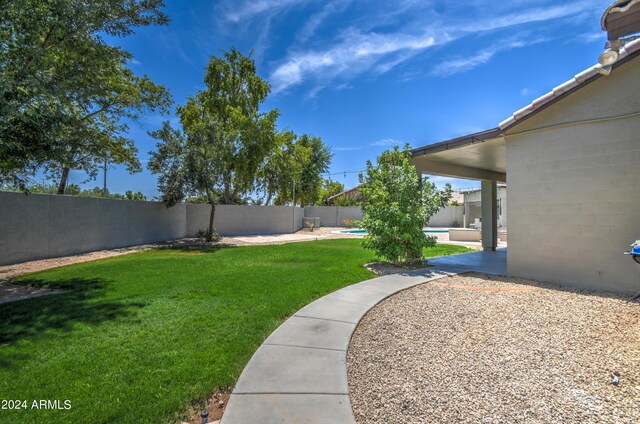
477 348
216 403
386 268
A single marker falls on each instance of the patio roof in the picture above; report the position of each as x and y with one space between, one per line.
482 155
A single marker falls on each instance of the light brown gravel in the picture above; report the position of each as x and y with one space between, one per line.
450 352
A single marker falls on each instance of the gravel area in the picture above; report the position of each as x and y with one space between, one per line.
478 348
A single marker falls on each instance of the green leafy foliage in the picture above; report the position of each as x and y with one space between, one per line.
63 88
396 206
225 138
297 163
329 188
75 190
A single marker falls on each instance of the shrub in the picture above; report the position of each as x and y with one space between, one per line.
205 235
396 206
349 223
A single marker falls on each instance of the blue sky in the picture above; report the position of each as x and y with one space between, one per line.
365 75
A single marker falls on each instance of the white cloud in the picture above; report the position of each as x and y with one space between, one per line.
524 91
310 27
464 64
358 50
355 54
592 37
388 142
252 8
345 149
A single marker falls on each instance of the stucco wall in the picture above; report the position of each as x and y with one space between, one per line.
43 226
449 216
332 216
235 220
573 192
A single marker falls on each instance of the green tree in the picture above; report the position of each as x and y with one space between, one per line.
225 138
95 126
308 191
283 168
246 136
53 57
396 205
329 188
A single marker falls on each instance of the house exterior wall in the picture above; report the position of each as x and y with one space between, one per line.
573 188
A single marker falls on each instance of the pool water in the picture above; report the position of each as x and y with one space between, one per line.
362 232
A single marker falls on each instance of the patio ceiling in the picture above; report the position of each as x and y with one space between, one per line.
478 156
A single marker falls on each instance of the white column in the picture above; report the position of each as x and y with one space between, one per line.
489 215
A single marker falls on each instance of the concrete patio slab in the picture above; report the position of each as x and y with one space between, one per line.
487 262
313 333
289 409
287 369
299 374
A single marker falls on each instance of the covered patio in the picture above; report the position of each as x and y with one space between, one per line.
479 156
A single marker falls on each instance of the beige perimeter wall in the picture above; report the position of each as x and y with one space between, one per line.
46 226
574 192
41 226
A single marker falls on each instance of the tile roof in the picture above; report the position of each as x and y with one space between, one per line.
582 78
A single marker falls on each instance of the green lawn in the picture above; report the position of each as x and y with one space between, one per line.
139 337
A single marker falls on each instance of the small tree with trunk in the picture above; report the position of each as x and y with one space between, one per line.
396 205
224 140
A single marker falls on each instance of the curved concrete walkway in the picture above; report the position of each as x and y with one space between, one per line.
299 374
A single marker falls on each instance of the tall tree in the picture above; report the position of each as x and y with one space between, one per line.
53 54
224 141
316 165
232 98
396 205
282 169
295 168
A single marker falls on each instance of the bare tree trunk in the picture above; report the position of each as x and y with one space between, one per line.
212 215
268 199
63 180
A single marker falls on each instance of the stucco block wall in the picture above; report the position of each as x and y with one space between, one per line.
573 194
332 216
449 216
43 226
235 220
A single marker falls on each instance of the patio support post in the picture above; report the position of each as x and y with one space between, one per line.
489 215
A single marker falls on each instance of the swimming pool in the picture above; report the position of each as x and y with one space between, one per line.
363 232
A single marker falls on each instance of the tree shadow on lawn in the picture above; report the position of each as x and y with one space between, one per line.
196 248
80 304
